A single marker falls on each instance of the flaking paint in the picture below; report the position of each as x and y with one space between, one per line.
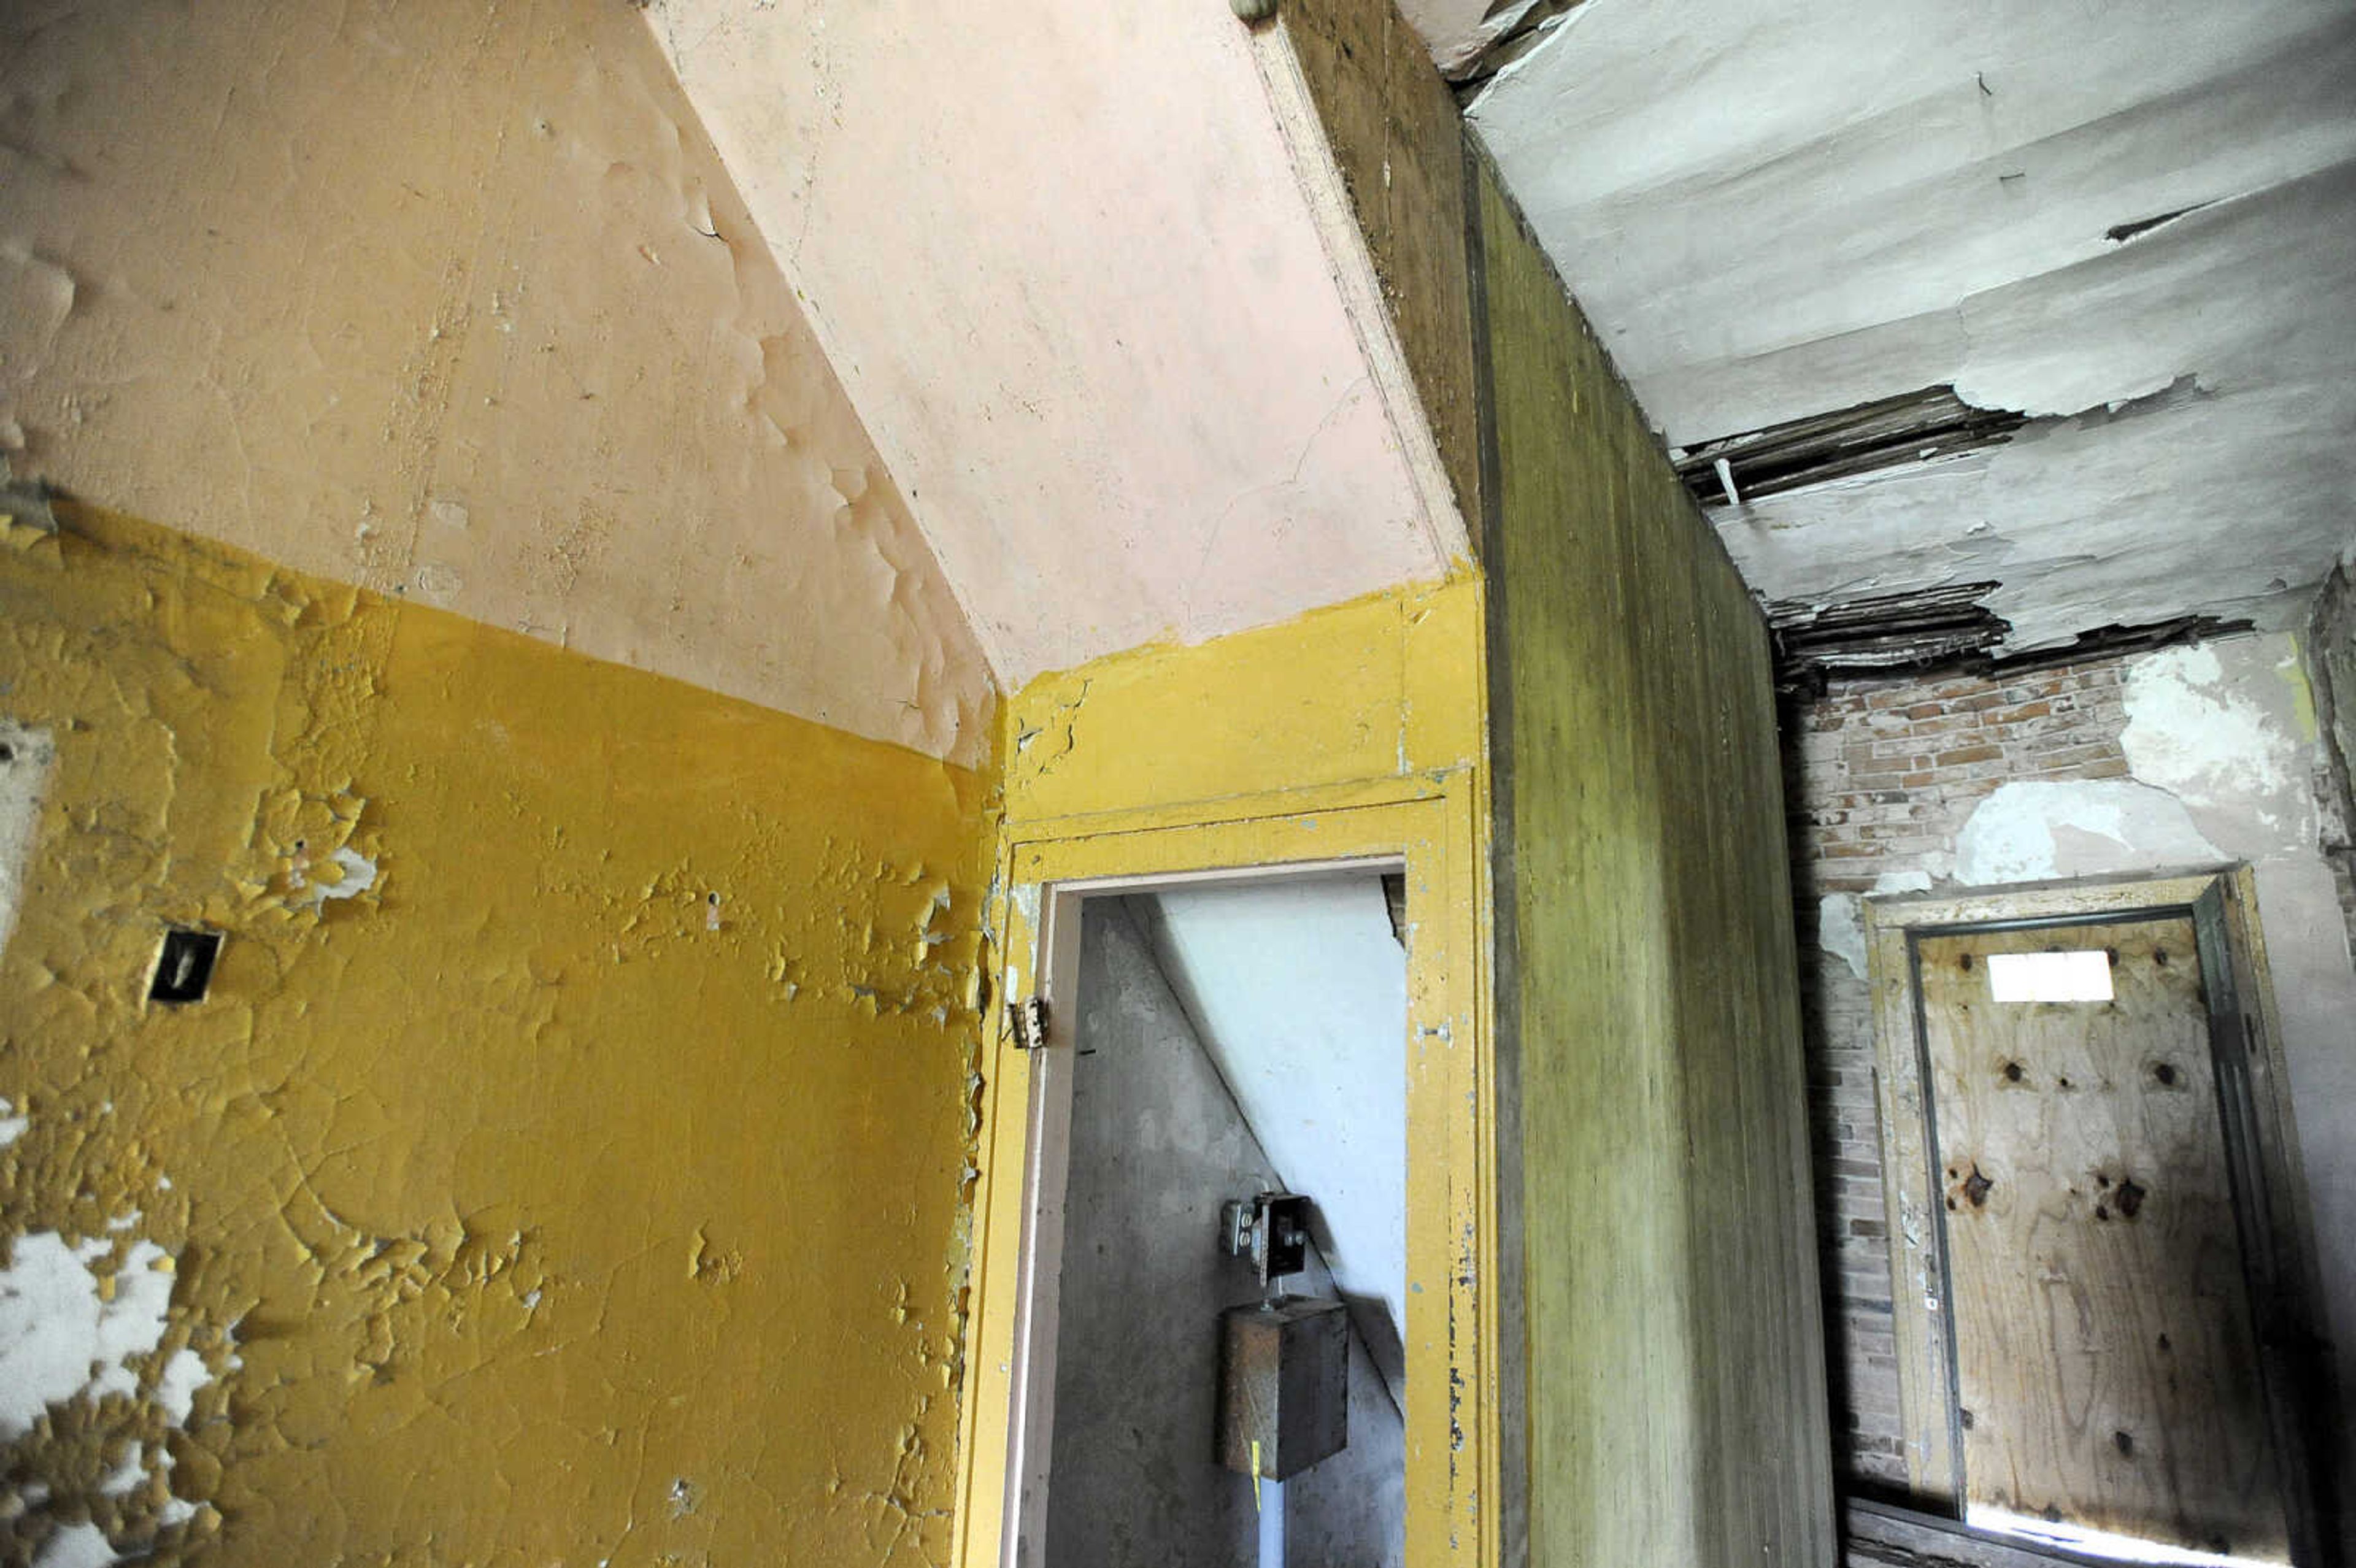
508 1198
1349 731
456 301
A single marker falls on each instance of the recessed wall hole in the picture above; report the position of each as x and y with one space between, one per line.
184 966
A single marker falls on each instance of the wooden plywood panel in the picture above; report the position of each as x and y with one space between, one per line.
2106 1368
1646 983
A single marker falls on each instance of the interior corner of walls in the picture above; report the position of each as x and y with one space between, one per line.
578 370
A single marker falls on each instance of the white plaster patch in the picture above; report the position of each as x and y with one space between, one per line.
2034 831
60 1338
2195 729
12 1126
358 874
1903 882
82 1545
1840 931
177 1385
27 756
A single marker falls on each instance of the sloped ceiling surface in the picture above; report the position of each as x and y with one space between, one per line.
2135 227
430 299
1298 989
1062 261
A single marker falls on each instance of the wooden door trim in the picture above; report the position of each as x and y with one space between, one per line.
1450 1336
2222 902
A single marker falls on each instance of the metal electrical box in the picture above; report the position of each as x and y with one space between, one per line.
1284 1382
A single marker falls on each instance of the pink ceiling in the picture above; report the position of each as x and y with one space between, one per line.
1063 260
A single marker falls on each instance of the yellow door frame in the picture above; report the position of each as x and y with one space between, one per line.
1429 823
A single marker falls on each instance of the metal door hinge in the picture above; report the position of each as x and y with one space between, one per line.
1026 1022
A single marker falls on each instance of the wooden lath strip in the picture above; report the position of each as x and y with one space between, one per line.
1890 433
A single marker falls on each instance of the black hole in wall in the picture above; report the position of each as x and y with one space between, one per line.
185 967
7 753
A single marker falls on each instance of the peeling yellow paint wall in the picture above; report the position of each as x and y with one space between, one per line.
1351 732
455 301
565 1166
1381 687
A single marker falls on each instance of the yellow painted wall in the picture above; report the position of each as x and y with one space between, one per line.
1381 687
1350 732
1647 999
527 1205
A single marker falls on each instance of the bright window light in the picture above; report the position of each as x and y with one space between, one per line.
2100 1542
2051 977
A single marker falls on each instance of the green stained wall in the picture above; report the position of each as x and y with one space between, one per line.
1647 990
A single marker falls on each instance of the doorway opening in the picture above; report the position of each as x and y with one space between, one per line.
1423 836
2101 1284
1234 1041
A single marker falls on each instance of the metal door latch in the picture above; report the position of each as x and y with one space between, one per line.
1026 1022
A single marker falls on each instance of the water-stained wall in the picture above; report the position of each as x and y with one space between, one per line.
1646 989
565 1164
456 301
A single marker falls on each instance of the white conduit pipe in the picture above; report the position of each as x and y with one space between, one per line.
1272 1523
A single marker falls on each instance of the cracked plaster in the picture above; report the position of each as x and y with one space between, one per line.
515 1191
456 302
1775 214
2223 750
1070 272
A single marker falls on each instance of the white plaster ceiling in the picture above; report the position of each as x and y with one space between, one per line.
1063 262
1297 990
1774 212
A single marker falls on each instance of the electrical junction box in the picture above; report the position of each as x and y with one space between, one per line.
1284 1384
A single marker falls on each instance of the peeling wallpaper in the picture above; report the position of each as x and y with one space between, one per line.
566 1164
1067 265
456 301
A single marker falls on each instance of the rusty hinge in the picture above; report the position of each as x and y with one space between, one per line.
1026 1021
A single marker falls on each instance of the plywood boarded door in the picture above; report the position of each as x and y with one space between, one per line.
2107 1374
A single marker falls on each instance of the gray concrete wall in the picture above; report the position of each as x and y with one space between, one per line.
1157 1144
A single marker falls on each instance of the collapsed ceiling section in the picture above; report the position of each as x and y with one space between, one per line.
1064 265
2037 303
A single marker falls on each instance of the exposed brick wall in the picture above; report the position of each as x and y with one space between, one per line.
1880 776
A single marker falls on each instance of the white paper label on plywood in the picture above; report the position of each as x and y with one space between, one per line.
2051 977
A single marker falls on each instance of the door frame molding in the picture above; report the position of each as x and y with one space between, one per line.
2270 1191
1429 824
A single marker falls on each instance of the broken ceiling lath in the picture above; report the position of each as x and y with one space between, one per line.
1890 433
1885 634
1946 628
